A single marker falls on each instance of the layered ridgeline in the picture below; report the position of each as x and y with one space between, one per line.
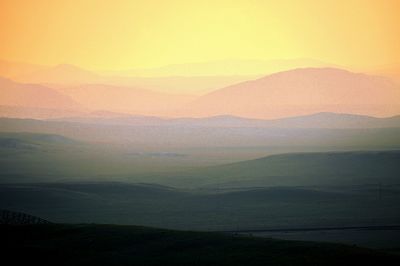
196 78
25 100
125 99
325 130
34 96
28 157
53 176
146 149
303 91
302 169
318 120
293 92
217 208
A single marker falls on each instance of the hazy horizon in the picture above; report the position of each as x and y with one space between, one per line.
320 89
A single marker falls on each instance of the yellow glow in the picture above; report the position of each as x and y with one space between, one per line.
123 34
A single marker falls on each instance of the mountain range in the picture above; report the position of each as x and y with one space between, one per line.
69 75
318 120
294 92
34 96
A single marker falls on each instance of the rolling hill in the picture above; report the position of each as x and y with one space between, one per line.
175 136
124 99
66 75
205 209
289 93
134 245
303 91
302 169
25 100
33 96
335 120
319 120
39 112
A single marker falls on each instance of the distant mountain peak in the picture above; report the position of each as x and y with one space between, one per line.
303 91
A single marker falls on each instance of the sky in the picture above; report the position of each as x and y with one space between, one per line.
129 34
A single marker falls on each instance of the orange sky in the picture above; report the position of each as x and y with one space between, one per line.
124 34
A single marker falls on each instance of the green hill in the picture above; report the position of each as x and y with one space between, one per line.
302 169
252 208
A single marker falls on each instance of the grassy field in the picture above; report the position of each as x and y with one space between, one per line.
58 244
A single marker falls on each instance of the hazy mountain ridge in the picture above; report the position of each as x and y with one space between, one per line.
124 99
39 113
33 96
294 92
69 75
228 67
170 137
319 120
303 91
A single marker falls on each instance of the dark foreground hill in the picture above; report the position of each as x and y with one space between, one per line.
132 245
18 218
244 209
